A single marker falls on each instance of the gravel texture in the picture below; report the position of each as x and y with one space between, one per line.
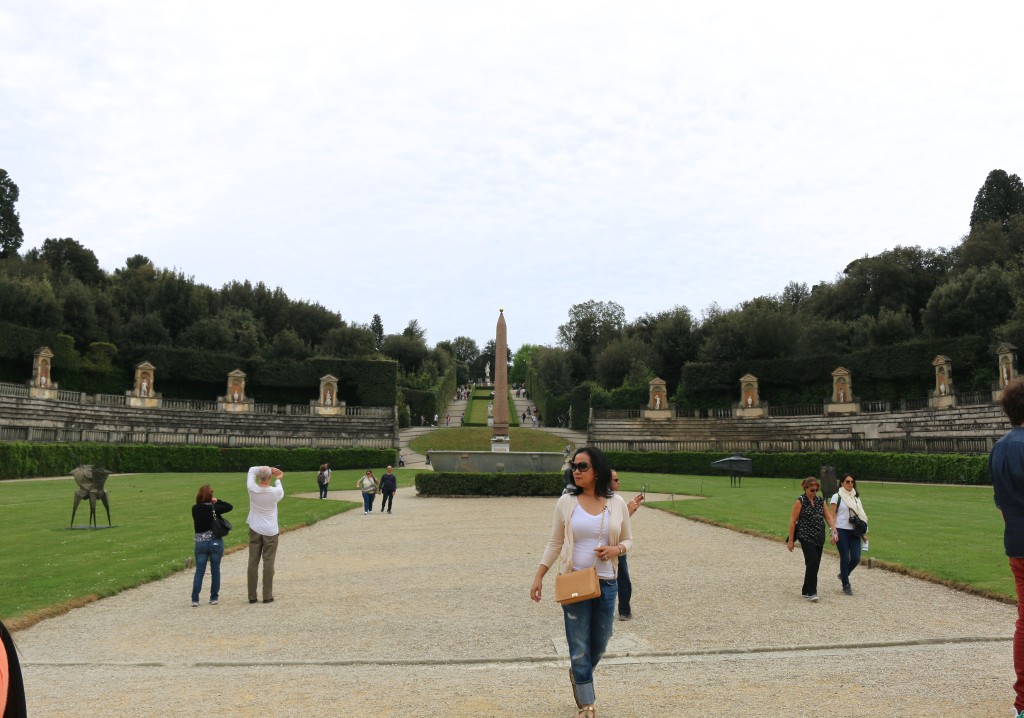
425 612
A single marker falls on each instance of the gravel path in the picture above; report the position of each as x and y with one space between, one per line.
425 612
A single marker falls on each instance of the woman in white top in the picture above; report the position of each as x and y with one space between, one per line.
590 527
845 502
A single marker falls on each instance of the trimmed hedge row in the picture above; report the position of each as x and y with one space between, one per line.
24 460
442 483
923 468
891 373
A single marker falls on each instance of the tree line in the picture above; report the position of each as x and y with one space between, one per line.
902 295
898 297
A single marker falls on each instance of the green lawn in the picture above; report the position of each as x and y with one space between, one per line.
43 564
478 438
476 408
952 533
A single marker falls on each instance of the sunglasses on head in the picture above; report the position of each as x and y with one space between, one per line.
581 466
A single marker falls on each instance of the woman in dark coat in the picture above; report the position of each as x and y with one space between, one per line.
209 548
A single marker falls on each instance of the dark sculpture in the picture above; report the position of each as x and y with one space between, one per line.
90 482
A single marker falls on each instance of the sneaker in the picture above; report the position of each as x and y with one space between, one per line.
252 600
214 601
389 511
626 617
813 598
268 600
195 604
848 590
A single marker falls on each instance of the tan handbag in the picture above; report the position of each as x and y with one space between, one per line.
583 585
577 586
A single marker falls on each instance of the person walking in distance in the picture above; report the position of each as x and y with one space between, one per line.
323 478
1006 466
263 528
388 486
625 584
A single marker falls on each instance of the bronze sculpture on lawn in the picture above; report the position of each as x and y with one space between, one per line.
90 480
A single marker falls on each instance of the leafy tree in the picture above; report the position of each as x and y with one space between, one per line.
520 368
760 328
673 340
377 327
992 242
413 330
999 198
408 351
619 358
288 344
464 349
78 306
975 302
145 330
487 357
66 256
29 303
209 333
11 235
348 341
549 366
592 326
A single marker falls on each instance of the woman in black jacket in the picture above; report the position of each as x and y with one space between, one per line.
209 548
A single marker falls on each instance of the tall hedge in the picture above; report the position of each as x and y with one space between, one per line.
901 371
441 483
23 460
923 468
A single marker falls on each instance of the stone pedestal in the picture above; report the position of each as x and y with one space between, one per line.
836 408
500 445
657 414
751 412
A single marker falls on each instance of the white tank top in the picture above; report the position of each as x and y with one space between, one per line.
585 540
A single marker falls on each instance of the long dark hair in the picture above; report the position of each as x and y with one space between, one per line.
845 476
602 472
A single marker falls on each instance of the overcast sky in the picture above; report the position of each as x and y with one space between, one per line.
439 160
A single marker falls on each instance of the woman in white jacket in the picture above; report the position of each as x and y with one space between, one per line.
590 528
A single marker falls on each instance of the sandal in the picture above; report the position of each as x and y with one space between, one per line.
586 711
572 682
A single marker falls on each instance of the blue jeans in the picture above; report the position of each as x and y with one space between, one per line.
849 554
323 490
625 587
208 552
588 628
368 501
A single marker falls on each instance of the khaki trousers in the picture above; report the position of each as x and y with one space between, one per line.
265 547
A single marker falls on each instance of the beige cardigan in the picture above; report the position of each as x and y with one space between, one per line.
560 544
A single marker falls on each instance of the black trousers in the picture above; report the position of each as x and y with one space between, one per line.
812 560
386 497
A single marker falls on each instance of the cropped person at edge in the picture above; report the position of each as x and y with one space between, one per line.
1006 466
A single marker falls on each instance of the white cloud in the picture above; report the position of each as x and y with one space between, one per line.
437 161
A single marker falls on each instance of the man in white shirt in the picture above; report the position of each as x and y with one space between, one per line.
263 529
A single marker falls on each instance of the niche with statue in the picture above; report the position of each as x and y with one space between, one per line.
750 405
657 401
842 400
942 395
327 403
235 400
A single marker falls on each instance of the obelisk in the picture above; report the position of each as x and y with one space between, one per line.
500 438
